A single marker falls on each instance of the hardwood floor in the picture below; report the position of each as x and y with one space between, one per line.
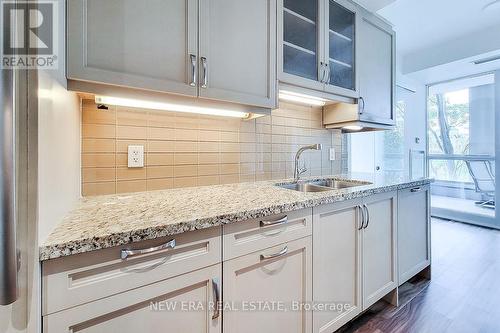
463 295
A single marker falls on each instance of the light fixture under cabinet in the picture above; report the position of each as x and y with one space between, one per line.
143 104
291 96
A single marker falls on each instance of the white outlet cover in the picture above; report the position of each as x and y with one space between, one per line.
135 156
332 154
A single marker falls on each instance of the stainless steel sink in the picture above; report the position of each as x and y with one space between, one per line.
323 185
305 187
339 184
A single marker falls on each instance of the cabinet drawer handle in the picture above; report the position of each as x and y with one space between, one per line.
416 189
361 105
274 255
216 295
362 217
367 216
204 65
193 70
282 220
124 254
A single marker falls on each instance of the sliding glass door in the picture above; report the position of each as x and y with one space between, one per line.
461 130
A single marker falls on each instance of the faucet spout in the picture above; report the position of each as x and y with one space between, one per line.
297 171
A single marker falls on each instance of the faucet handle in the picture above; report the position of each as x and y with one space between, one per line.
302 170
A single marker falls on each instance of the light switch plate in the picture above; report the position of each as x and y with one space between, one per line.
135 156
332 154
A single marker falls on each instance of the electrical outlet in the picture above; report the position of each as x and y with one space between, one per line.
135 156
332 154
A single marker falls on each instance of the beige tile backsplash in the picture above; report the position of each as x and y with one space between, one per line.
193 150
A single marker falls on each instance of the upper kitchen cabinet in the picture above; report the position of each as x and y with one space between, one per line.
318 40
376 71
238 51
299 27
214 49
148 45
341 48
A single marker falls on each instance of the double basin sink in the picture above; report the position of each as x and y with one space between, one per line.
323 185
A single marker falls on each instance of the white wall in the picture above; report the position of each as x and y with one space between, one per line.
58 144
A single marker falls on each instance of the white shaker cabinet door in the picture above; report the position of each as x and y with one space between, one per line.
379 247
336 264
376 71
238 51
413 232
280 274
155 308
140 44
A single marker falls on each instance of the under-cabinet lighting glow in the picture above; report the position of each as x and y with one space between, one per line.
301 98
136 103
353 128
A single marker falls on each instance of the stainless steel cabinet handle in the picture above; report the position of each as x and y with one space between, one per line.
124 254
362 217
323 71
416 189
282 220
328 73
193 70
274 255
216 294
361 105
204 65
367 216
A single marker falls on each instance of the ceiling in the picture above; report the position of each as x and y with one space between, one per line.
421 24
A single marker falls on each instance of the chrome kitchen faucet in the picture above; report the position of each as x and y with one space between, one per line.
298 171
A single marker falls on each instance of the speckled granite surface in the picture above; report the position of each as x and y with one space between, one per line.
112 220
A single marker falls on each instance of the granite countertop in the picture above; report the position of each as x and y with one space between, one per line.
112 220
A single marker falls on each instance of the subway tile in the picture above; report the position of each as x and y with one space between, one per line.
186 146
208 180
209 158
131 132
208 169
209 147
204 135
229 179
125 173
159 172
185 182
98 160
92 175
159 184
230 157
161 119
182 158
229 169
96 116
227 147
131 186
160 159
230 136
186 134
187 122
90 189
98 131
185 170
131 117
98 145
247 178
161 146
161 133
122 145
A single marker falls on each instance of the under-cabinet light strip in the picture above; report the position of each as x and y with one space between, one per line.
301 98
136 103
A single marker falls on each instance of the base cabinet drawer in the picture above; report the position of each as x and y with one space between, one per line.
78 279
156 308
413 232
253 235
280 274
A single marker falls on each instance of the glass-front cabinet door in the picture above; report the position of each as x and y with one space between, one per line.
301 50
341 50
318 48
